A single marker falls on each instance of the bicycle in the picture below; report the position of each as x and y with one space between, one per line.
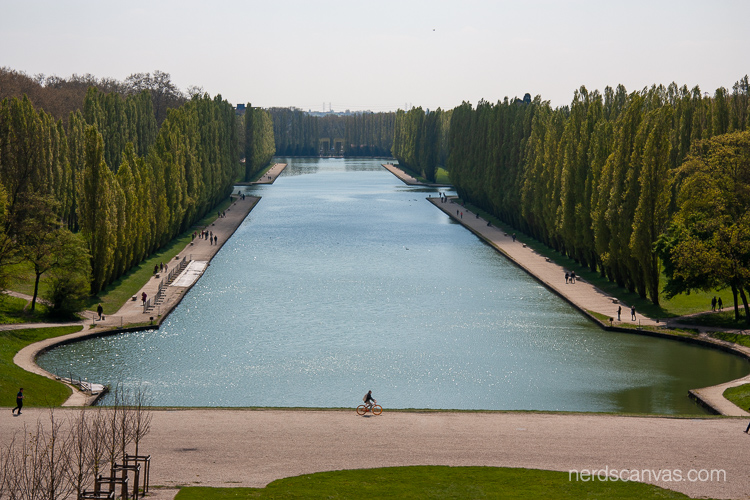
375 409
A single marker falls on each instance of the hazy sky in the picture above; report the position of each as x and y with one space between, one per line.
382 55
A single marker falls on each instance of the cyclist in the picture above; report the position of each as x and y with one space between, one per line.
369 400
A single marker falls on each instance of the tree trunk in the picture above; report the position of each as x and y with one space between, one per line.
744 303
736 305
36 291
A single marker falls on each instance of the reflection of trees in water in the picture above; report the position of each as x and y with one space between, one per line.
300 169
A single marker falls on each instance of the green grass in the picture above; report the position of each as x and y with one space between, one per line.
724 319
22 279
12 311
437 482
38 390
442 176
737 338
739 395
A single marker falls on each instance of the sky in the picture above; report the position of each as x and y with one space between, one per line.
384 55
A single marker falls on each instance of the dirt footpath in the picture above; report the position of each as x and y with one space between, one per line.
227 448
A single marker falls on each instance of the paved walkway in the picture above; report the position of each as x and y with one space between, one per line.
232 448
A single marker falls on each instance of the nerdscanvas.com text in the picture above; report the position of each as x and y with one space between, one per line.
648 475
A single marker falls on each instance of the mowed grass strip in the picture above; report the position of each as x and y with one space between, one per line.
739 395
437 482
38 390
14 310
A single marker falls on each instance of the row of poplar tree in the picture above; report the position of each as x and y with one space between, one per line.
299 133
420 140
112 186
603 179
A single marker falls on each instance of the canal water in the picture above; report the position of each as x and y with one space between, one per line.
343 279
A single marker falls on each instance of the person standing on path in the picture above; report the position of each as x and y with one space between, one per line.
632 313
619 312
19 402
100 310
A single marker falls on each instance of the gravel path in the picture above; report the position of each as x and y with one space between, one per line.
228 448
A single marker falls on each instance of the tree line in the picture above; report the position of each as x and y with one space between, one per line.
85 199
60 96
258 141
299 133
602 179
597 180
421 140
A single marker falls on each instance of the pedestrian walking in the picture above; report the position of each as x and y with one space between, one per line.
567 277
100 310
632 313
19 402
720 304
572 277
713 304
619 312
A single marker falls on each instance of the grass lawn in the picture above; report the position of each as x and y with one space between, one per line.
739 395
436 482
12 311
38 390
724 319
442 176
733 337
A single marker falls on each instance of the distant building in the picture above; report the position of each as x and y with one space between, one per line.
239 110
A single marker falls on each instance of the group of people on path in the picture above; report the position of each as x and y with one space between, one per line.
207 235
632 313
570 277
717 305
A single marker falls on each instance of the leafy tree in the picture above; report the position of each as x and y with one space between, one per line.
708 245
96 209
70 275
39 236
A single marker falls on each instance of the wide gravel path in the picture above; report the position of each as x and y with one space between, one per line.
227 448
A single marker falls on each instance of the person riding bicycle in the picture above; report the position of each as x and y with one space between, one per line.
368 399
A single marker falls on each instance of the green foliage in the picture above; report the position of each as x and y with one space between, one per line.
127 187
70 276
438 482
38 390
708 244
259 140
590 180
419 142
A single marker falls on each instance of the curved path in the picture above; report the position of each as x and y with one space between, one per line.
230 448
